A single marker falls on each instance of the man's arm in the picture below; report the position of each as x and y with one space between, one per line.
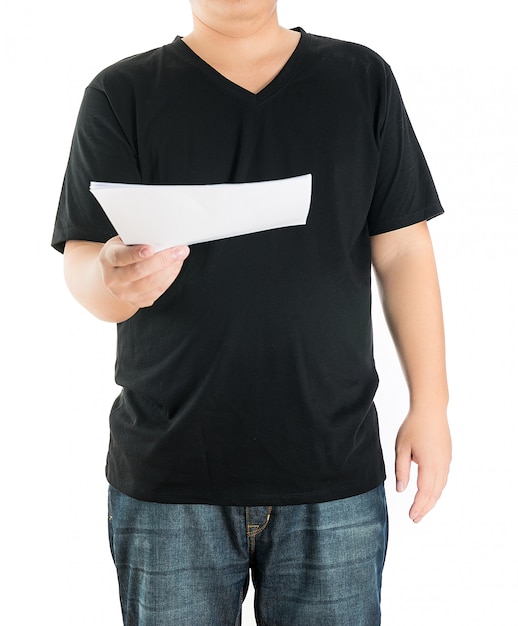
113 281
405 269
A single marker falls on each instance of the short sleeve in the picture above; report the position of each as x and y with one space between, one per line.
102 151
404 192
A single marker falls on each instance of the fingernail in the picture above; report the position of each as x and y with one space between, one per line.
180 253
146 252
400 485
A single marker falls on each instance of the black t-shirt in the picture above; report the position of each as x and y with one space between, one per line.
251 380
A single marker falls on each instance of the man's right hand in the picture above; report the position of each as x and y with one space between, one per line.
138 275
113 281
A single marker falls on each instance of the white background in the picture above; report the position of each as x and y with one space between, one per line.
457 66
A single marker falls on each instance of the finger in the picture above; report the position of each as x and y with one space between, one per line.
143 291
140 268
161 263
430 484
402 467
159 280
117 254
179 253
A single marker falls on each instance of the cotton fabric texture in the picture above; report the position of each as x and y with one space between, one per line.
251 380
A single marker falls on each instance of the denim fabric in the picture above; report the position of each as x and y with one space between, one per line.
188 565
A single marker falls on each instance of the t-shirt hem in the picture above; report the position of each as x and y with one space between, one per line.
429 213
60 238
263 499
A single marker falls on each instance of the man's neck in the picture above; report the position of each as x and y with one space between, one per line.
238 41
249 53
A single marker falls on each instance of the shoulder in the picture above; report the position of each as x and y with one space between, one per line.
339 51
356 59
351 70
131 71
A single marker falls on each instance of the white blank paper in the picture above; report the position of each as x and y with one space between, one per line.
163 216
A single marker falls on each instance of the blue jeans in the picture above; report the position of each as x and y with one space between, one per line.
188 565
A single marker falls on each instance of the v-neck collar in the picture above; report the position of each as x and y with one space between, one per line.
274 86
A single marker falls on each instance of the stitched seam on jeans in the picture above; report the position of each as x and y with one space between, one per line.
256 528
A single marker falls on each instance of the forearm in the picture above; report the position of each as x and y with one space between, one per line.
84 279
407 277
410 295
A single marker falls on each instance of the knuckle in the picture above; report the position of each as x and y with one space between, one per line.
138 270
111 253
109 277
166 259
147 299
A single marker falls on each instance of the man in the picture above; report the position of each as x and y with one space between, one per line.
245 437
